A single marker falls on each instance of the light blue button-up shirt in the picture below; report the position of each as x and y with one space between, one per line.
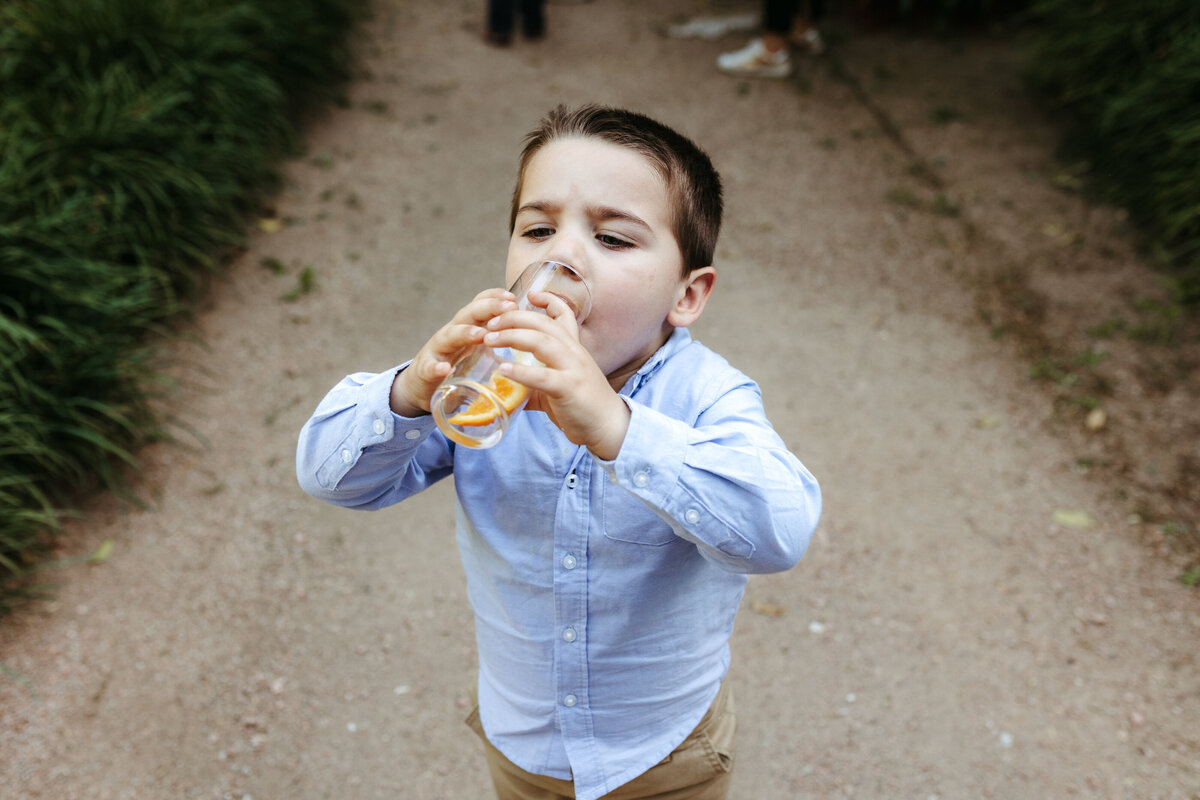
604 592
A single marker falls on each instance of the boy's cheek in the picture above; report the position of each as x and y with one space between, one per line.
594 348
517 260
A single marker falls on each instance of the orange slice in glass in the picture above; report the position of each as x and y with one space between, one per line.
482 411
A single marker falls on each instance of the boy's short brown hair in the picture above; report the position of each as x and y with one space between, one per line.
693 185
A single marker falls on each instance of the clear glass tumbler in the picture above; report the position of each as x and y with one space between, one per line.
474 405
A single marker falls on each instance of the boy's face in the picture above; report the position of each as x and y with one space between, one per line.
604 210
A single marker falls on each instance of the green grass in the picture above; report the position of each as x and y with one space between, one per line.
1126 74
136 138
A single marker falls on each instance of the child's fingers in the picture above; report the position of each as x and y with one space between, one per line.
556 307
430 370
533 333
453 339
544 381
558 321
484 306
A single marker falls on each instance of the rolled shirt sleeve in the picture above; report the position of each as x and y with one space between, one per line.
726 483
354 451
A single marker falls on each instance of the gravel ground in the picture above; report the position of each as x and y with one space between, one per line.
978 615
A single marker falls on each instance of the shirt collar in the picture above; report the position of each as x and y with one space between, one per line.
679 338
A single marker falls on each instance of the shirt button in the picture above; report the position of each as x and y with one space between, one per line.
641 479
378 427
692 516
569 561
347 456
412 433
570 700
572 481
569 635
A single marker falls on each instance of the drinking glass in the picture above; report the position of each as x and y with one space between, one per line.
475 404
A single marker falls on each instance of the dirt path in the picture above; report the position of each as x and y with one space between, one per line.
946 636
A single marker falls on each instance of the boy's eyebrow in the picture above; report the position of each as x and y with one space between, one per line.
595 211
610 213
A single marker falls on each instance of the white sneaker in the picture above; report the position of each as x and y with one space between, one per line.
710 28
755 61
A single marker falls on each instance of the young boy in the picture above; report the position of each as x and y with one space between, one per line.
607 538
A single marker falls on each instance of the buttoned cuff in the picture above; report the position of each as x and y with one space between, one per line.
375 426
651 456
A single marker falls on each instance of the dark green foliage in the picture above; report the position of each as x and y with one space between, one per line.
938 14
1127 73
135 135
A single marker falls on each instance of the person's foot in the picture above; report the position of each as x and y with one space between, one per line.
756 61
712 27
497 39
534 31
809 39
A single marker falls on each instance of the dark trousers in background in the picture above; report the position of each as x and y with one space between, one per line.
778 14
502 15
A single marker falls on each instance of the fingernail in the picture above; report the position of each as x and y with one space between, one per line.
491 337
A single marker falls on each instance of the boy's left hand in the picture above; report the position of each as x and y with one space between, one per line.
571 388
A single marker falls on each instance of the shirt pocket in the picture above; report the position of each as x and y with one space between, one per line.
627 519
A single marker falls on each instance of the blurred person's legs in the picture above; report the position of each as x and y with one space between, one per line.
501 20
804 30
784 23
766 56
533 19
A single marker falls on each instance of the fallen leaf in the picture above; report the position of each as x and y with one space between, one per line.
989 421
103 552
270 225
1096 419
767 609
1073 518
1060 233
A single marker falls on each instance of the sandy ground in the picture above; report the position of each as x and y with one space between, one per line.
947 635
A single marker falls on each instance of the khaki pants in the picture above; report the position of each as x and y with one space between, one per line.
699 769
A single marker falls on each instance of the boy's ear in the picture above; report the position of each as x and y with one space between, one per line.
694 291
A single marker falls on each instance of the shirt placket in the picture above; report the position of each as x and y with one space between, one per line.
570 611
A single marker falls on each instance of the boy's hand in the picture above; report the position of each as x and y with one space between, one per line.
570 388
415 385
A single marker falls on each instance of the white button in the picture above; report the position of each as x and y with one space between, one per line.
378 426
692 516
570 700
347 456
572 481
569 635
569 561
641 479
412 433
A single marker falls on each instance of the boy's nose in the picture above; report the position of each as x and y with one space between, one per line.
573 257
570 250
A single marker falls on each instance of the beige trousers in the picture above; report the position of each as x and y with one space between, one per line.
699 769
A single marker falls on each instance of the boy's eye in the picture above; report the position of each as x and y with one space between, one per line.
538 233
614 242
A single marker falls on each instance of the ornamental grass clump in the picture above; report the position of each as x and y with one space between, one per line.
135 137
1127 74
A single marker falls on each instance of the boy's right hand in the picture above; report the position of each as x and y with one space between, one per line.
415 384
